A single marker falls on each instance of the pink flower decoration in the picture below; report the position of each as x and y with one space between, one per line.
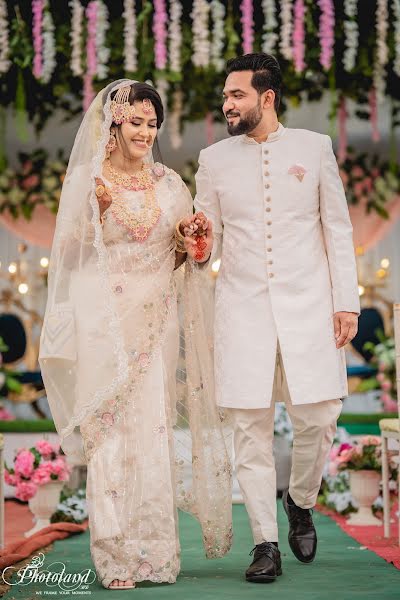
88 91
107 418
380 377
386 385
332 469
44 447
389 404
371 440
24 463
10 479
327 32
6 415
37 21
144 359
30 182
25 490
298 36
160 33
42 474
158 170
247 21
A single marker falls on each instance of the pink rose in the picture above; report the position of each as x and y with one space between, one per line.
375 172
59 467
25 490
333 470
30 182
344 177
371 440
357 171
389 404
6 415
10 479
345 446
44 447
380 377
358 188
107 418
386 385
27 167
42 474
24 463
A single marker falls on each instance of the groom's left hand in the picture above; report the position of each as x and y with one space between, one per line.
345 325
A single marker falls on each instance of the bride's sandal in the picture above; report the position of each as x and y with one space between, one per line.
121 587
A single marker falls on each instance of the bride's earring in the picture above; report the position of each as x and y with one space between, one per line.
111 144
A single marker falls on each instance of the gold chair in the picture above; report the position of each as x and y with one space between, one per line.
390 429
20 330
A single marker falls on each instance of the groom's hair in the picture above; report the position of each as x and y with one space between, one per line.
267 73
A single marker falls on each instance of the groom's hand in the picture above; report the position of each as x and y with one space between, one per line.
345 326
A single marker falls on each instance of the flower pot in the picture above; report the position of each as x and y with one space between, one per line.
364 487
43 504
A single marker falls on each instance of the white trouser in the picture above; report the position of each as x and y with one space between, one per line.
314 427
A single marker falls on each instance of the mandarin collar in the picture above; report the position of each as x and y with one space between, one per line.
272 137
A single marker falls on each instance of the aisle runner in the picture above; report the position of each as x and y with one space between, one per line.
341 569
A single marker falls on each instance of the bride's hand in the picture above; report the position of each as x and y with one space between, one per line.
104 199
199 248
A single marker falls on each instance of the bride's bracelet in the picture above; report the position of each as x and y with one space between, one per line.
179 240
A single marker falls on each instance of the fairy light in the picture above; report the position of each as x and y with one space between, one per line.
12 268
385 262
23 288
44 262
361 290
381 273
216 265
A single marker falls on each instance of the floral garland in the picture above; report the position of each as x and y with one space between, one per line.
130 50
286 29
76 37
49 46
162 89
247 21
217 44
382 52
396 12
88 91
174 121
201 43
37 24
269 36
5 62
373 115
327 32
103 53
298 36
350 35
160 34
175 35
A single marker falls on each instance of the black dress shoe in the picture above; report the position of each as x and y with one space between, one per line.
266 563
302 535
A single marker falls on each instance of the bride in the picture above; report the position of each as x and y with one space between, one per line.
126 346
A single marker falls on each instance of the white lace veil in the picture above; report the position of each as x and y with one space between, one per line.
82 280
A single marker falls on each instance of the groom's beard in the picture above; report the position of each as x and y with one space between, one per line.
246 123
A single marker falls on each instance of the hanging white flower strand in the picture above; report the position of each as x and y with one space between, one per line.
76 37
269 36
175 35
5 63
49 46
396 12
217 45
350 35
286 29
174 120
201 43
103 53
130 50
382 52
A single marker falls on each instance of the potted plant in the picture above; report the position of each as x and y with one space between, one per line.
362 460
39 474
383 355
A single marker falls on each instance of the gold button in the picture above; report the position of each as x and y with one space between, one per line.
268 199
268 222
268 209
271 274
269 236
269 249
270 262
266 162
267 186
266 151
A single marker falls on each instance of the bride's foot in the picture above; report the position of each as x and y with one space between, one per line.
118 583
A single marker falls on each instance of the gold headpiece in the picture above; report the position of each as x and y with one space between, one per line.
122 111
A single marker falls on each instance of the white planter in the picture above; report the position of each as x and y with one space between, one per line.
43 504
364 487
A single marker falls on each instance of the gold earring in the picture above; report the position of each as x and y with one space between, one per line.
111 144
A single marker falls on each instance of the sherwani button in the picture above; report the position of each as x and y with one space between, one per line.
269 236
268 209
270 262
267 186
266 151
269 249
266 162
268 222
268 199
266 173
271 274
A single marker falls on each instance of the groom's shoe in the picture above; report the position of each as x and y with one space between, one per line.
266 565
302 535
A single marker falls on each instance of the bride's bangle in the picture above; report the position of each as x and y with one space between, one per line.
179 240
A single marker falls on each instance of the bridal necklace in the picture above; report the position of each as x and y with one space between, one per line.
138 224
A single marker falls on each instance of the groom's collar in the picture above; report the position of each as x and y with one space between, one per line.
272 137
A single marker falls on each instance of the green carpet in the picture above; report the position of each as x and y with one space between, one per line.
340 571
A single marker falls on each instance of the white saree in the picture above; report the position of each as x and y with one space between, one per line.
126 357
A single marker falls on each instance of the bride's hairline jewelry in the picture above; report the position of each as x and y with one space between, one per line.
121 109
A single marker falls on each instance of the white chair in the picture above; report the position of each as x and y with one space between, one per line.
390 429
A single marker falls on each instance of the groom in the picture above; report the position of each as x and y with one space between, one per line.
286 298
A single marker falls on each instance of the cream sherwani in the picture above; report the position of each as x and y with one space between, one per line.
287 265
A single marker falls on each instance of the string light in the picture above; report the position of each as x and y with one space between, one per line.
12 268
385 262
216 265
361 290
44 262
23 288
